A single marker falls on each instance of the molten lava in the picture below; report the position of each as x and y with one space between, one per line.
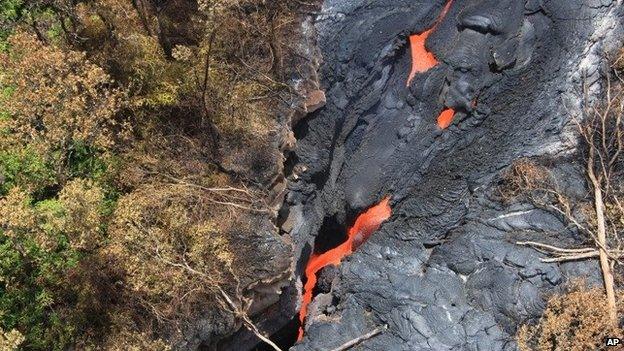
446 118
422 59
365 225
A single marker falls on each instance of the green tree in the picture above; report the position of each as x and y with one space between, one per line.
58 132
59 100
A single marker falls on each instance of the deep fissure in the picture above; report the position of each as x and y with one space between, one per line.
285 337
331 234
364 226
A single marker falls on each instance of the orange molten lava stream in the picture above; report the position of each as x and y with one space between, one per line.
365 225
422 59
446 118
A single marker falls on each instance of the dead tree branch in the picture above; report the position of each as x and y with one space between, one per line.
224 195
602 155
607 273
349 344
237 309
602 133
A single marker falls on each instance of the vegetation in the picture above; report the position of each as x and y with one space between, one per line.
118 202
577 320
580 319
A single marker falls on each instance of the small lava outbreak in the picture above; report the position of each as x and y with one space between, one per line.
365 225
446 118
423 60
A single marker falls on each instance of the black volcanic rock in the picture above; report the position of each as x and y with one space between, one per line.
325 278
444 272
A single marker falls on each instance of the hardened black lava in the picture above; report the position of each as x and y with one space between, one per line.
444 272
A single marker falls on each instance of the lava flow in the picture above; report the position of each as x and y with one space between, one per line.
446 118
365 225
423 60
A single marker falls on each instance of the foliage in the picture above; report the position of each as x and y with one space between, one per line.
131 53
82 203
11 340
156 232
33 260
24 168
9 13
59 100
113 116
59 123
575 321
135 341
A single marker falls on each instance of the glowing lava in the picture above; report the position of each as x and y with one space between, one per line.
446 118
365 225
422 59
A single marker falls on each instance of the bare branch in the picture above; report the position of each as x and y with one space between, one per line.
567 258
607 273
554 248
349 344
234 307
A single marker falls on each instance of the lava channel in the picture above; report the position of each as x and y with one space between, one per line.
365 225
423 60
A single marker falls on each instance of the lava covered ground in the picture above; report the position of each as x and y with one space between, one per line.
443 272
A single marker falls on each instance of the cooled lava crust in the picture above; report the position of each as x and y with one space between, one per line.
443 272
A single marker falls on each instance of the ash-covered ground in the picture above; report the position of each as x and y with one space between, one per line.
444 272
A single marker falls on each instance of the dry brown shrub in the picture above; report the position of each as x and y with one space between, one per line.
133 341
161 234
11 340
618 63
169 153
577 320
58 96
82 200
524 176
77 213
115 37
16 214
